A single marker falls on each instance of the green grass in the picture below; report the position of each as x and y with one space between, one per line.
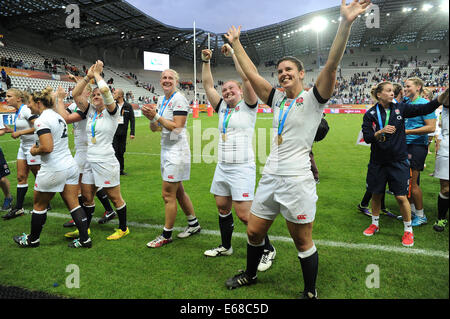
128 269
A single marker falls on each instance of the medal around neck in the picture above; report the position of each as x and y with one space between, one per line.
93 140
224 137
279 139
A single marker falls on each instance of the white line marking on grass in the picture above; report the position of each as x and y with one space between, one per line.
318 242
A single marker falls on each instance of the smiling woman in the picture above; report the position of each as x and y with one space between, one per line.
170 118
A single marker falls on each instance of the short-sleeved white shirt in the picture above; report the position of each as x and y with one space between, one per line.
291 157
238 144
79 129
60 158
444 144
177 103
105 128
22 122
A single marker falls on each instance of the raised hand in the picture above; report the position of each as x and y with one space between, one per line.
98 68
227 50
206 55
355 8
233 34
61 93
90 73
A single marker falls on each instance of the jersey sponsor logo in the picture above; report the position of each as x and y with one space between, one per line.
170 177
32 161
399 117
245 195
301 217
107 183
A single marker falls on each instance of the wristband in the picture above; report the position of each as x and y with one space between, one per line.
155 119
106 92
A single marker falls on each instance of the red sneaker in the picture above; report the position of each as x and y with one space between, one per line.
371 230
408 239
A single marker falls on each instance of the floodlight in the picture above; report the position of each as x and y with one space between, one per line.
319 24
427 7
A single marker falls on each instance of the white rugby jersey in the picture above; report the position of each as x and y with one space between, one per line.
238 144
60 158
21 122
105 128
2 125
79 129
173 106
291 157
443 145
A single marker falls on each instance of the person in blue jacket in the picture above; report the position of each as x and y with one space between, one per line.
384 128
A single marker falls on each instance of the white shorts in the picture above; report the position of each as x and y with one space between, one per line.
441 167
101 174
235 180
54 182
24 154
175 164
293 196
80 159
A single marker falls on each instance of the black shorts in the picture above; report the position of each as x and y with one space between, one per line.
417 153
4 168
395 174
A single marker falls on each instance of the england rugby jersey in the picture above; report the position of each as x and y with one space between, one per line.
60 158
291 157
104 125
443 146
237 146
22 120
79 129
168 108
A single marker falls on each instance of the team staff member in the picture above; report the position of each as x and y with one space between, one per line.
4 170
235 175
417 130
170 118
384 128
120 138
26 162
441 172
102 168
287 184
58 173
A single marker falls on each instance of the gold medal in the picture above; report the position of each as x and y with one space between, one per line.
383 138
93 140
224 137
280 139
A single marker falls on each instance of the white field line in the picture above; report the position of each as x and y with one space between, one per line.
318 242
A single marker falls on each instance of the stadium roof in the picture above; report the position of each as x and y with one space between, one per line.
108 23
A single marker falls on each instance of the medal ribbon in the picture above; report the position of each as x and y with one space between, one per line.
380 122
163 106
226 118
280 120
94 123
16 116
